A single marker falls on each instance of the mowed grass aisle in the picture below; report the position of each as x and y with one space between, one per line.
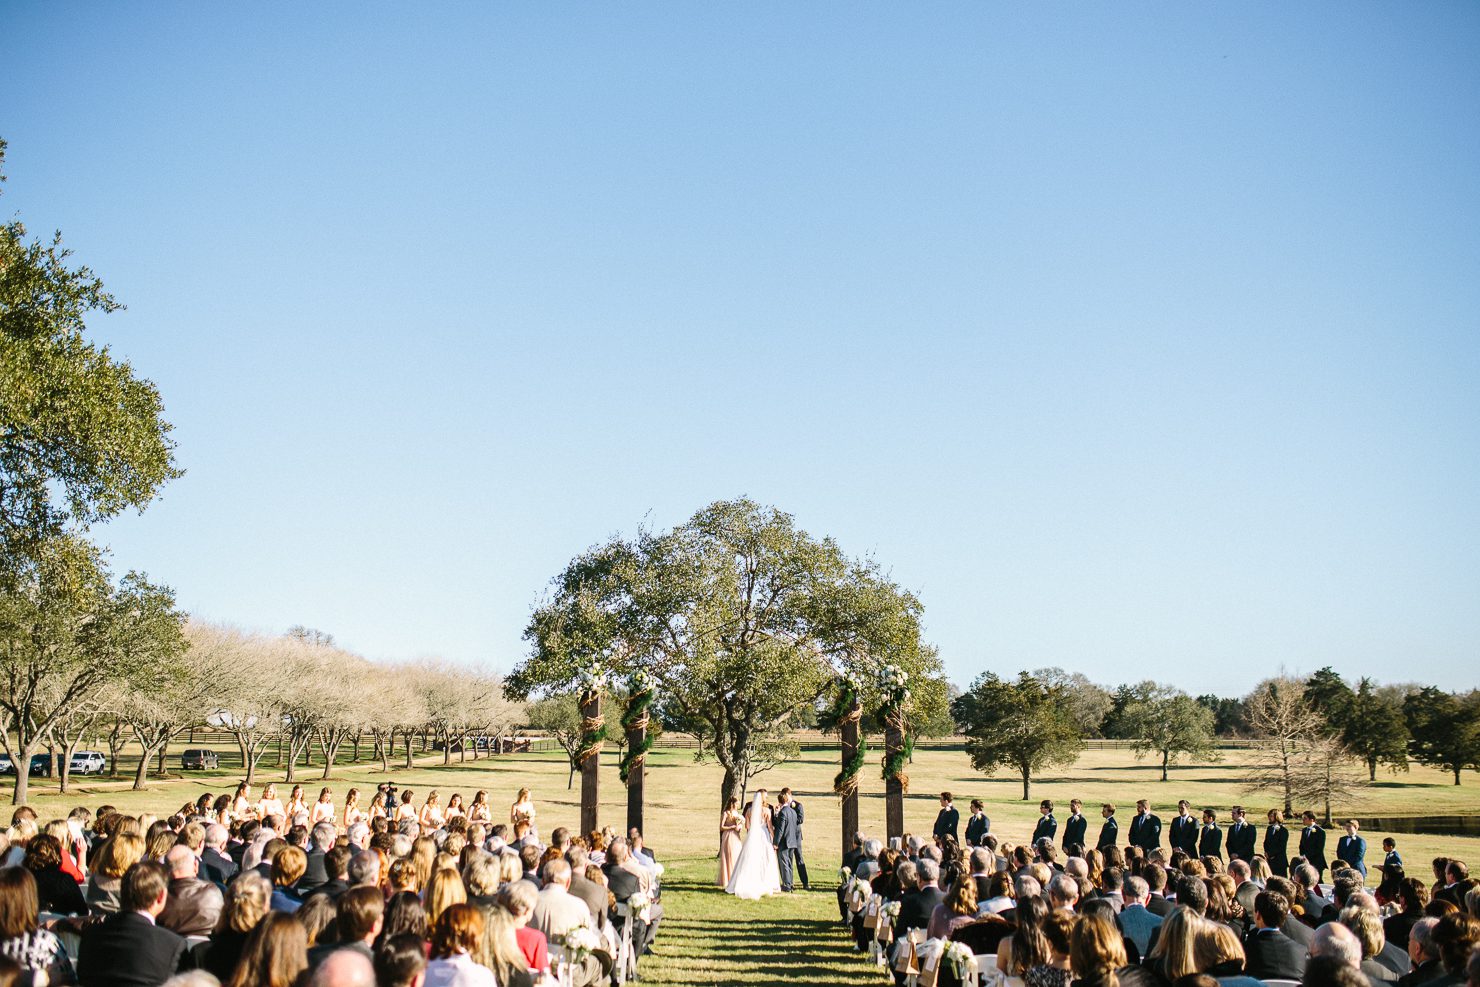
709 937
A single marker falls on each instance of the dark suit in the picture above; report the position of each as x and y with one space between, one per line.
1276 850
1298 931
1074 829
1241 840
1272 955
1210 842
623 885
1421 974
916 907
1046 828
1183 835
946 822
977 828
1313 847
1157 904
788 841
192 908
216 867
1353 850
1109 833
1146 831
314 874
128 950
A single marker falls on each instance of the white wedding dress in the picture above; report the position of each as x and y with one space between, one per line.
756 873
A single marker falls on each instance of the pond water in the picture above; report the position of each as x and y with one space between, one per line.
1435 825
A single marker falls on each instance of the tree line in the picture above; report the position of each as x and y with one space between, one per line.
1321 738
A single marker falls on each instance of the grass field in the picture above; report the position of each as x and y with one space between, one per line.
710 938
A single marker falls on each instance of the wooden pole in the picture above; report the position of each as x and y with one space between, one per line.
893 787
636 737
848 733
590 780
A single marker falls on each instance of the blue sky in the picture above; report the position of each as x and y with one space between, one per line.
1137 339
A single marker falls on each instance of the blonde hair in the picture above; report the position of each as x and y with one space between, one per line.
1216 943
1096 950
444 889
1174 947
116 856
247 899
498 949
423 855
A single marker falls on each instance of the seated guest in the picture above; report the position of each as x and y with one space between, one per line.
276 954
1097 956
456 935
1422 954
1157 903
359 917
917 905
246 901
958 909
127 949
1334 949
318 916
1454 937
287 868
1171 955
194 905
557 911
1272 955
401 962
55 889
336 866
1135 921
1218 953
625 877
517 954
1028 946
38 951
583 887
216 864
998 897
109 864
315 870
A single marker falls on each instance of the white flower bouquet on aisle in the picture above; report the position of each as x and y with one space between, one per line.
580 943
640 905
961 961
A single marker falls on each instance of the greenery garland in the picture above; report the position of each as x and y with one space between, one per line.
593 728
844 710
640 696
893 683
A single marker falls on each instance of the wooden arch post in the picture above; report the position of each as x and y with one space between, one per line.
591 737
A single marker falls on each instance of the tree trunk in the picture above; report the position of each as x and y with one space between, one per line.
409 738
590 777
848 750
893 787
1027 782
164 750
1371 769
141 773
1165 756
731 787
1456 775
357 747
21 761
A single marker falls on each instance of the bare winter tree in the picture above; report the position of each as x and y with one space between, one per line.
1290 727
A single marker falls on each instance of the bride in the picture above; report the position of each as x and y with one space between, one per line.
756 872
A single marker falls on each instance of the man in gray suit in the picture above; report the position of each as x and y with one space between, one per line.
786 826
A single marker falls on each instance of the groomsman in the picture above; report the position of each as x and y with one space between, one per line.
1313 843
947 820
1047 824
1145 827
1240 836
1184 830
1075 825
978 825
1110 829
1210 841
1276 844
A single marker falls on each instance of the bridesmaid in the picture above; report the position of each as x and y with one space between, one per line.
352 813
242 806
378 808
296 804
455 806
431 814
1276 844
323 809
731 827
523 811
405 810
479 812
270 805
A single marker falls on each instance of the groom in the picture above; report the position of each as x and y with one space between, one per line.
786 827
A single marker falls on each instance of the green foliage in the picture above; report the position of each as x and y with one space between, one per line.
742 620
1367 722
1088 702
1230 716
636 716
1169 723
81 437
1444 729
1025 725
67 630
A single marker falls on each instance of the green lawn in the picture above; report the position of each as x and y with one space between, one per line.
711 938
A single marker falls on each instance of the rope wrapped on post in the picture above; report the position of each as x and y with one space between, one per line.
593 728
846 710
893 682
636 718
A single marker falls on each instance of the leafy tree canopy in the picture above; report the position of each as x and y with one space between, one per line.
1026 725
1444 729
741 618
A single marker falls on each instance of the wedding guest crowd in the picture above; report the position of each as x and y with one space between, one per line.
1207 910
246 892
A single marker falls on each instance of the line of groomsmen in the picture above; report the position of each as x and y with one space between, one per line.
1196 838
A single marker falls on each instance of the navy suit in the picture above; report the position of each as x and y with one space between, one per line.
1210 843
1108 833
1184 835
977 828
1047 826
946 823
1353 849
1074 829
1241 840
1146 831
787 823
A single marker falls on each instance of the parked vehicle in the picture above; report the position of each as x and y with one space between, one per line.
199 759
88 763
40 765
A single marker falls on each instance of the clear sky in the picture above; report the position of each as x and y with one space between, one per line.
1138 339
